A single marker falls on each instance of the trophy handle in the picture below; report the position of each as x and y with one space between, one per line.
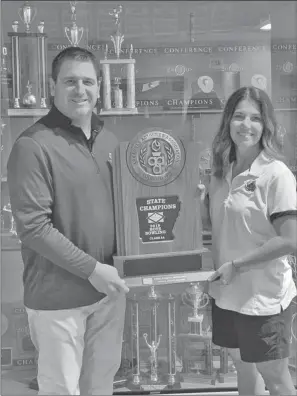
66 33
34 13
206 298
81 32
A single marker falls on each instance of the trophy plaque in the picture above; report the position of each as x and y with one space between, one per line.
29 85
158 223
113 96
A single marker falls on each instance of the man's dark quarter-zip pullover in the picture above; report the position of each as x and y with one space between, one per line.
60 186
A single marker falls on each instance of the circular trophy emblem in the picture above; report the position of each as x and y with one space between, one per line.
180 70
288 67
155 158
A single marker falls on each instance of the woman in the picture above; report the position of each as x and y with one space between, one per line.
252 209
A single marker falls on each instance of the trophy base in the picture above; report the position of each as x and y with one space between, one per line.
117 112
162 268
201 378
196 337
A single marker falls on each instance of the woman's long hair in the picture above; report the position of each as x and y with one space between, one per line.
223 148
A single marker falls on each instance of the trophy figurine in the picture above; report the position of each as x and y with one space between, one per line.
154 360
118 38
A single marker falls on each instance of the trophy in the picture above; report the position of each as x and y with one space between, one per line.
28 62
117 106
27 13
195 297
12 228
75 33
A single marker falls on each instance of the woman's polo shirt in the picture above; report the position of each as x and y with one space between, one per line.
242 211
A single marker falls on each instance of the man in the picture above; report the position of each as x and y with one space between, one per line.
60 187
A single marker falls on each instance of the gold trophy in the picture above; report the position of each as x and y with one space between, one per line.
28 62
195 297
117 106
27 13
75 33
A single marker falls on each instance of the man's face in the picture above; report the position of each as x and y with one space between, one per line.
76 89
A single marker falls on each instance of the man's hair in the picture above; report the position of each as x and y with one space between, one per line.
223 148
73 53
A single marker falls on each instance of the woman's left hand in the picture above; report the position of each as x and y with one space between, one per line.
224 274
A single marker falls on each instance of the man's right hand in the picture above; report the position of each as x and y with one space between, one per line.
105 279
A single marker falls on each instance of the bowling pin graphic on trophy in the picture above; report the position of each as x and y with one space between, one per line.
113 96
29 76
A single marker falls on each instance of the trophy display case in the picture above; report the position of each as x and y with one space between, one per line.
164 82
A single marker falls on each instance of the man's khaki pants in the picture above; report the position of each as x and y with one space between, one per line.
79 350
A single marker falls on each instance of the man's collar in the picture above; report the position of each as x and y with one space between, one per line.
55 118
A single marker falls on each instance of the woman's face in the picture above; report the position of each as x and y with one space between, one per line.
246 125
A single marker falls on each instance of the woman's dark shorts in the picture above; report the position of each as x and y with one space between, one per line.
259 338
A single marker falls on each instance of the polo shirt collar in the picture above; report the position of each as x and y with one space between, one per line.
256 168
56 119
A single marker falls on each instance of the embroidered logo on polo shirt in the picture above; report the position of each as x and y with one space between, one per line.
250 185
